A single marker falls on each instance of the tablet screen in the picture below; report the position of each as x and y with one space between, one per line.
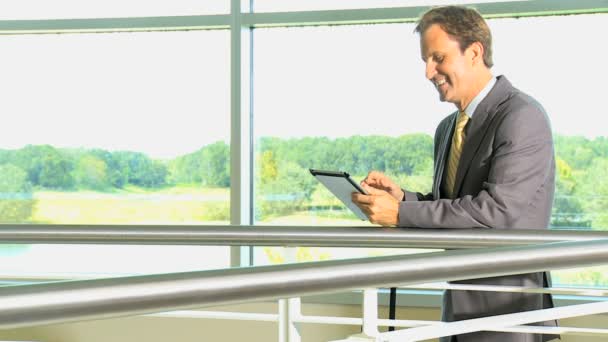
342 186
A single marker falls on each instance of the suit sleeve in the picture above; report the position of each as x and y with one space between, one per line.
417 196
521 164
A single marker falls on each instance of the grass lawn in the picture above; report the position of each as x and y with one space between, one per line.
180 204
187 204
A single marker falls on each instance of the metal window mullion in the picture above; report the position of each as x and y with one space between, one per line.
294 18
240 131
410 14
219 21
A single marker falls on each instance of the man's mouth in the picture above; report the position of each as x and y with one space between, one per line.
441 85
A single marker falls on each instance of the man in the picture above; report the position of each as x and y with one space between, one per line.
494 164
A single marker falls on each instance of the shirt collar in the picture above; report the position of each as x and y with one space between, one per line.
470 110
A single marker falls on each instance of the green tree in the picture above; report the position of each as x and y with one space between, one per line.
287 193
410 154
117 172
269 168
141 170
215 165
45 166
594 193
91 173
55 172
567 209
577 151
16 199
185 169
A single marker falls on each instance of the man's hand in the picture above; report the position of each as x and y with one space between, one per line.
379 206
380 181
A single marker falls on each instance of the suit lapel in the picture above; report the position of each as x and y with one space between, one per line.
475 134
478 128
442 155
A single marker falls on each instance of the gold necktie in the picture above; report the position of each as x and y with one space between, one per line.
455 152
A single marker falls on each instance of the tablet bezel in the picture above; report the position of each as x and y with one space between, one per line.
342 174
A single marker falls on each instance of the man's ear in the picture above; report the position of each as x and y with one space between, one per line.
475 51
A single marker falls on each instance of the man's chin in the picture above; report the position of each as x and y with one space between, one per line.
443 97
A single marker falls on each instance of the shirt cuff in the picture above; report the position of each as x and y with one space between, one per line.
410 196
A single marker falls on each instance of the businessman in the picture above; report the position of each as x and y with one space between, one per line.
494 165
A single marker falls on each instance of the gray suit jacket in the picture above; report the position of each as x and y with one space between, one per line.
505 179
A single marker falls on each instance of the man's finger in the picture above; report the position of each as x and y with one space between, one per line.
372 190
373 178
360 198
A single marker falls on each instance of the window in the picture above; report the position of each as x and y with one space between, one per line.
553 69
132 128
336 98
121 128
355 98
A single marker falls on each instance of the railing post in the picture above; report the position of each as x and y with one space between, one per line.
370 319
370 312
289 311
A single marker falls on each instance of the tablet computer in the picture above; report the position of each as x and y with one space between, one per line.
342 186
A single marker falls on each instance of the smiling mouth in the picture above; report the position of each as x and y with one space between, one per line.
441 85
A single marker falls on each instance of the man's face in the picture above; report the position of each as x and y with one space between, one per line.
450 70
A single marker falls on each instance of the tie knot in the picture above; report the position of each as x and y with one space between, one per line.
462 120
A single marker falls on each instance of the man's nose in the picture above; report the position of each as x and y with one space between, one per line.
430 70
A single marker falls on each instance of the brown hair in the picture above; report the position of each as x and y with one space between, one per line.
463 24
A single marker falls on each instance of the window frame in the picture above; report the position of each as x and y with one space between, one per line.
241 21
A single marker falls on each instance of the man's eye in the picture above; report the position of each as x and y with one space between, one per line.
438 59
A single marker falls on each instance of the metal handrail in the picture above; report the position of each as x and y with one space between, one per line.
62 302
287 236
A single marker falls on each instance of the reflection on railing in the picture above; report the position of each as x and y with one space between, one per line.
104 298
287 236
70 301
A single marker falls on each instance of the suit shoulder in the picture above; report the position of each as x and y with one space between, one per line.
520 113
520 102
